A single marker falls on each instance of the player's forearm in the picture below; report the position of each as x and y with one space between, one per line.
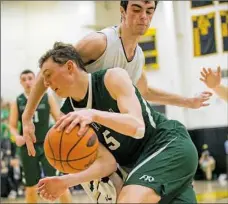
34 98
222 92
123 123
102 167
165 98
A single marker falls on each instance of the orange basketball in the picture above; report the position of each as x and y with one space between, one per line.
70 153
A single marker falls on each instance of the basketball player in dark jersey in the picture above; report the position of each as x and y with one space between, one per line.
31 165
116 47
159 152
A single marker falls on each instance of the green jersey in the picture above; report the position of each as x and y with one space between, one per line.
40 118
124 148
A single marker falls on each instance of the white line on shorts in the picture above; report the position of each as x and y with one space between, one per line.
149 158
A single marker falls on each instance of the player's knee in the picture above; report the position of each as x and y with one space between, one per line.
144 195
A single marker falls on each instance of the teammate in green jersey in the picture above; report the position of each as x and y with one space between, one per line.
31 165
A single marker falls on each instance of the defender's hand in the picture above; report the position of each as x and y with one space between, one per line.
210 78
29 136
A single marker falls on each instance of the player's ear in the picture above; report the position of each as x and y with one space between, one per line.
122 12
70 66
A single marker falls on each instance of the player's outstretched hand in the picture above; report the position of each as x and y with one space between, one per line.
200 100
212 79
72 119
29 136
51 188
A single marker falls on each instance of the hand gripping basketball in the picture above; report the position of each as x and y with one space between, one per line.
69 152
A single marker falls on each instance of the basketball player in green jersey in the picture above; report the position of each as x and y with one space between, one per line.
31 165
115 47
159 151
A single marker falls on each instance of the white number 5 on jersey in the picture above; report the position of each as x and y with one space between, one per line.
114 144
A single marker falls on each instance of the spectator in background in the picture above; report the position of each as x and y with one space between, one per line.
207 162
224 177
5 107
213 81
10 164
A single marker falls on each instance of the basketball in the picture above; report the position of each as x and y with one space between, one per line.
70 153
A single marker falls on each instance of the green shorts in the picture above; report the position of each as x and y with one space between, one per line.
167 164
33 166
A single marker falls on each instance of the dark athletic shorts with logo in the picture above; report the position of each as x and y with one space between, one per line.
167 163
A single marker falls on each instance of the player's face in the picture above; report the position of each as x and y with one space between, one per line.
27 81
57 77
138 16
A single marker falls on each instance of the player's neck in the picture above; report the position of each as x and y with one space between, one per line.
129 41
81 85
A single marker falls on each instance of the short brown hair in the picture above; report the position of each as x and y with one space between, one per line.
124 4
61 53
27 71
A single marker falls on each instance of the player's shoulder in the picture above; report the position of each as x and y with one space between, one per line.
116 78
112 31
116 73
97 39
91 41
91 46
112 37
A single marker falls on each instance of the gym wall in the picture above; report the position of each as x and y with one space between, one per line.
29 28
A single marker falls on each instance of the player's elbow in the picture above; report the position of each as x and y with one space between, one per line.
139 130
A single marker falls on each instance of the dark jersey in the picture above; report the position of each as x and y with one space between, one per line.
124 148
40 118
